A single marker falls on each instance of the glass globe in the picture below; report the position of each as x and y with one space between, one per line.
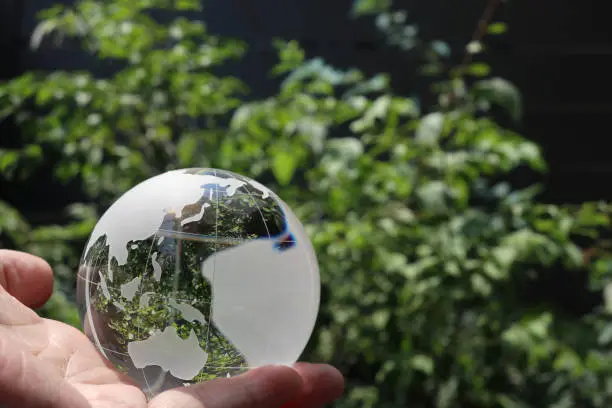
197 274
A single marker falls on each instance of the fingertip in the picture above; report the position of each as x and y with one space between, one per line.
321 373
322 385
26 277
42 283
275 382
268 386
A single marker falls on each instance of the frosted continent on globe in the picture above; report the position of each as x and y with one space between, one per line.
196 274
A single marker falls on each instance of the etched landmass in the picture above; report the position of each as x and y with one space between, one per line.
104 287
228 186
144 299
128 290
196 217
160 350
265 192
188 312
157 269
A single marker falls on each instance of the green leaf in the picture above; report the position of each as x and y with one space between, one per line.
284 164
493 272
565 400
291 56
504 255
573 256
570 361
481 285
540 325
13 224
314 133
33 151
433 196
506 401
608 297
422 363
43 29
401 213
497 28
347 147
500 92
441 48
430 129
377 83
188 5
605 336
186 150
82 212
326 344
474 47
380 318
369 7
8 161
387 367
479 69
447 393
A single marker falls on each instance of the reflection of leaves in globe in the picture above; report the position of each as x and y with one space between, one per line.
164 269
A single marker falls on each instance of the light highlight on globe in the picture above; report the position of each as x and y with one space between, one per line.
197 274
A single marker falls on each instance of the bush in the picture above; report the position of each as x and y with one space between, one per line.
426 249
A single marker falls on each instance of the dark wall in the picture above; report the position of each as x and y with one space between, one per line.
10 22
557 52
562 63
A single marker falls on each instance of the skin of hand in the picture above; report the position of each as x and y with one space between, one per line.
48 364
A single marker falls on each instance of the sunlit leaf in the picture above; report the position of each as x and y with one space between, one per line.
284 164
479 69
497 28
503 93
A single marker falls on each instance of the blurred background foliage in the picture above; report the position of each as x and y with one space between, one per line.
431 253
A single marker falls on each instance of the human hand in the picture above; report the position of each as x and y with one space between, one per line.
45 363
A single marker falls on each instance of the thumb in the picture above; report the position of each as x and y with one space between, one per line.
26 277
266 387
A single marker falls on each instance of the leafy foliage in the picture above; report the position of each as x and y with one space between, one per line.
426 250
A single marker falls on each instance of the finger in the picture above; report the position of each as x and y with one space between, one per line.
266 387
26 277
322 385
26 382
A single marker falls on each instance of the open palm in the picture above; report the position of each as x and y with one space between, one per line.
45 363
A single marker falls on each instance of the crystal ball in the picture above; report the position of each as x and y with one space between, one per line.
196 274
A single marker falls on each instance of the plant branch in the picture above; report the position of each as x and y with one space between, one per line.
480 31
